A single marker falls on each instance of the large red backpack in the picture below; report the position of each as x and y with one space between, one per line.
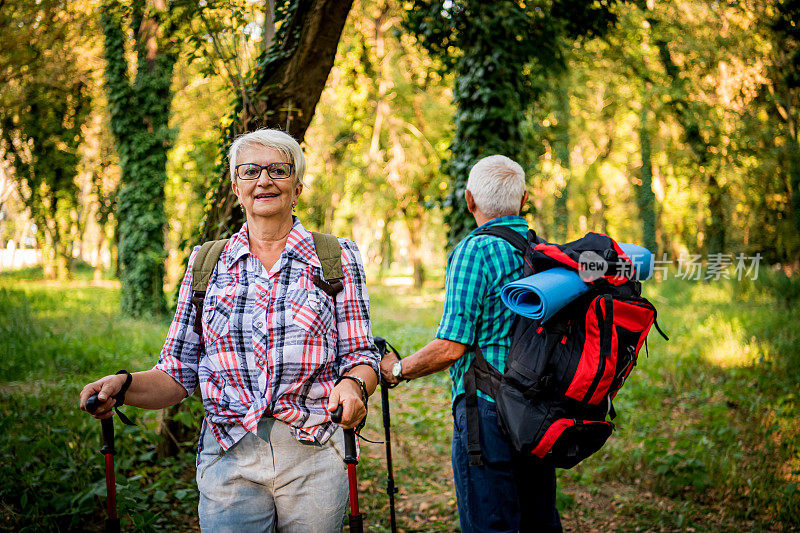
554 399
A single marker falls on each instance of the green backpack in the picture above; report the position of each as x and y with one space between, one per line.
329 252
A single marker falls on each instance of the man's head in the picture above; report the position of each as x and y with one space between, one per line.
495 188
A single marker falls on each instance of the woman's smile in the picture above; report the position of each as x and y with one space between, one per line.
266 195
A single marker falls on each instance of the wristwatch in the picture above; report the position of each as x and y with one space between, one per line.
397 371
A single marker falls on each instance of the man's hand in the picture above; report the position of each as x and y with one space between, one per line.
388 361
348 393
106 388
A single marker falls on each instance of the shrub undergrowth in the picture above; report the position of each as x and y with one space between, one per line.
707 434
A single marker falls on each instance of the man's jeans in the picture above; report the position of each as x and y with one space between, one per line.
510 492
272 480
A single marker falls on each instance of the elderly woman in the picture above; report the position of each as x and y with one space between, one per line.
277 355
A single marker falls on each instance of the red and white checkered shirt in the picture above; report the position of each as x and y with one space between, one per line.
272 341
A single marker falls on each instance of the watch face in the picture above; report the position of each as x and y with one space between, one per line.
397 370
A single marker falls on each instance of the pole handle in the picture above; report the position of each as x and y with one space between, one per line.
350 453
92 403
336 416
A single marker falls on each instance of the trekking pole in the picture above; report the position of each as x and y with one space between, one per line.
391 489
351 460
112 522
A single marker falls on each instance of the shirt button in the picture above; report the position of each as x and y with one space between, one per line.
259 324
262 294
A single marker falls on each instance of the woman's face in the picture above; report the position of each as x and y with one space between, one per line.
265 197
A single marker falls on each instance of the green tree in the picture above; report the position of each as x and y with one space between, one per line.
563 115
500 52
410 123
139 109
280 88
379 135
44 102
645 199
785 91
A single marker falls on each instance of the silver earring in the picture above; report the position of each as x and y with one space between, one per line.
294 207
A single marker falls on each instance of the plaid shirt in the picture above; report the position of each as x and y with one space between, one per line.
476 271
273 343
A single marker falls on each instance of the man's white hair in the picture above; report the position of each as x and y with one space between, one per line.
274 139
497 184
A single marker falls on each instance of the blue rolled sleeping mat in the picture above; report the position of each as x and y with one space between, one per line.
542 295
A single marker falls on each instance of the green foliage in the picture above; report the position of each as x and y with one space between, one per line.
263 88
57 338
500 52
381 130
785 35
781 287
706 432
44 103
704 417
139 111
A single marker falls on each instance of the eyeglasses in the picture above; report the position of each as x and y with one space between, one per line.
252 171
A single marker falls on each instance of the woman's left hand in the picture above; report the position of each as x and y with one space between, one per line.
348 393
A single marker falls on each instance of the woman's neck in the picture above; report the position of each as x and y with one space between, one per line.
268 238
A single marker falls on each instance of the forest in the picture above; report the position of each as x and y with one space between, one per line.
668 123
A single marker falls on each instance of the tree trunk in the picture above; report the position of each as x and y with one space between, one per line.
716 226
645 199
562 152
140 110
283 93
386 246
794 179
414 225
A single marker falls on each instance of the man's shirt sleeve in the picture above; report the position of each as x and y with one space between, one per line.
182 349
464 292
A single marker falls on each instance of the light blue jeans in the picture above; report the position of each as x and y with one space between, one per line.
272 481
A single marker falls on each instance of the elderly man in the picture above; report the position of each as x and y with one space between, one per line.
508 492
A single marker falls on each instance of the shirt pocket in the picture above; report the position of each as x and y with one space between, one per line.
217 315
311 309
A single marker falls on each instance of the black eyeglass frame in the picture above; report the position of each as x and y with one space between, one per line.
263 168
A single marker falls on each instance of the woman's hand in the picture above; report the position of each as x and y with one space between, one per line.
348 393
106 388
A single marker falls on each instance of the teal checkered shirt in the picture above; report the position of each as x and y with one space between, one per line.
476 271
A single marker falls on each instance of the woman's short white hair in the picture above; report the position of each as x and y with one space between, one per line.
497 184
273 139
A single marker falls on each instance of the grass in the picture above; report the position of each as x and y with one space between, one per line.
707 435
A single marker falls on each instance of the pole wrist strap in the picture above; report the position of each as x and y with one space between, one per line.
120 397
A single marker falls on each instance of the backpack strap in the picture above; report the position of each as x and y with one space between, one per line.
204 264
524 245
329 252
484 377
507 234
481 375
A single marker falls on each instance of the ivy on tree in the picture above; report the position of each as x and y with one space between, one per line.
500 52
139 110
